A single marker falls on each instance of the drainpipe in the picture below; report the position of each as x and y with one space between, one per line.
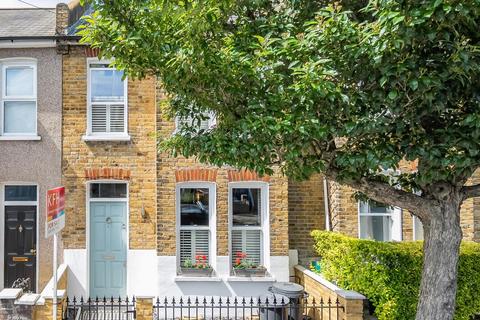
326 201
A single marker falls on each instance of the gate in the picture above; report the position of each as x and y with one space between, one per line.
99 309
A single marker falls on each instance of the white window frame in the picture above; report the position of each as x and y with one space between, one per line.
396 216
212 121
212 223
105 136
264 218
17 62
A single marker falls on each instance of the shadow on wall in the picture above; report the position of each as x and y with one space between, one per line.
224 289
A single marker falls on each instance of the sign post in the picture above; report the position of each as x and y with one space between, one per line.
55 222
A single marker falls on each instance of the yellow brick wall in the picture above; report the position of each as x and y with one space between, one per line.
166 168
352 309
306 208
137 155
344 211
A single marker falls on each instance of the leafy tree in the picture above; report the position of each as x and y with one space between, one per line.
347 90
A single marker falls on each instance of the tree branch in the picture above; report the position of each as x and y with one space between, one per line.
471 191
385 193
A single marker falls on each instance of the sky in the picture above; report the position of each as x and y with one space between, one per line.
23 3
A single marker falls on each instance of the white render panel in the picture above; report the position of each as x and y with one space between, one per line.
152 275
76 259
141 272
169 285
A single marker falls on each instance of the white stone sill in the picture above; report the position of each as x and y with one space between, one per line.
106 138
347 294
20 138
251 279
197 279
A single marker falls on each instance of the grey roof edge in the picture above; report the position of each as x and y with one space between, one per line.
57 37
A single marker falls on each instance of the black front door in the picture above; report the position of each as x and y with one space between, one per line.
20 244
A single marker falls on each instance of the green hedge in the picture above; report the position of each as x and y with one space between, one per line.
388 273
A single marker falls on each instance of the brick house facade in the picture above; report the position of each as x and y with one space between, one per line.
126 205
305 216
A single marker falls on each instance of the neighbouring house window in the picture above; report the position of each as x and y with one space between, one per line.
208 122
379 222
195 207
417 229
107 100
248 205
18 98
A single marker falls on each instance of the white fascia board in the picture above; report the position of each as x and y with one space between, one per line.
41 43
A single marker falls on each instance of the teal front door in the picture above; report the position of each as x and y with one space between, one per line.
108 249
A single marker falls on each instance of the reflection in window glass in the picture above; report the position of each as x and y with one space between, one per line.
376 221
194 206
417 229
376 228
246 206
20 117
20 193
108 190
19 81
107 85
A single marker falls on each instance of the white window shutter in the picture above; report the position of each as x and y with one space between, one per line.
99 118
117 118
201 243
249 242
193 243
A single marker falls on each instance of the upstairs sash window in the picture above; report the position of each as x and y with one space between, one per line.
18 98
107 100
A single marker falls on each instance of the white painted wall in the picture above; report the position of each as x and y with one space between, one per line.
142 272
222 285
76 259
152 275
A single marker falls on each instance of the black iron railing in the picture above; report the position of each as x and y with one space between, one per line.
99 309
235 308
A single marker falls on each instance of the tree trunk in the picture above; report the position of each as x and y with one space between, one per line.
443 236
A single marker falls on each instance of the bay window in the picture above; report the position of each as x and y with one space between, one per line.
107 102
196 224
18 112
380 222
248 206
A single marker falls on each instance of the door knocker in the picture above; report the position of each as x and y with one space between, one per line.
109 220
20 228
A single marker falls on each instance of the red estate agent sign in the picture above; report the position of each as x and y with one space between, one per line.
55 211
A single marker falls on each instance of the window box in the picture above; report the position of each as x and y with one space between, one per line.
196 272
250 272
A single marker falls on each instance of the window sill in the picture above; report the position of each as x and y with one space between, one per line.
197 279
106 138
20 138
251 279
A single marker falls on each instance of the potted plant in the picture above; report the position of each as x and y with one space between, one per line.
199 268
244 267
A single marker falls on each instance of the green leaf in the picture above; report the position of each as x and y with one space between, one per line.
413 84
